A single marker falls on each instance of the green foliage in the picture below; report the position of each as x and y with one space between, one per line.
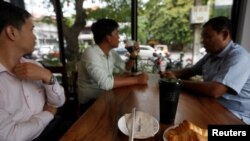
166 21
69 21
47 19
118 10
51 60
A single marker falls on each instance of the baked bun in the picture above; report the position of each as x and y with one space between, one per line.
187 131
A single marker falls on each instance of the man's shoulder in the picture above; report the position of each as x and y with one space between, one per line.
236 46
92 49
91 53
239 50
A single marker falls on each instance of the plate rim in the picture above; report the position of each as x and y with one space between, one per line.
165 131
125 132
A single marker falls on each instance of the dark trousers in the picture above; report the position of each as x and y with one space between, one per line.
62 121
54 130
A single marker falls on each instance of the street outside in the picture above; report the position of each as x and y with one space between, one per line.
148 65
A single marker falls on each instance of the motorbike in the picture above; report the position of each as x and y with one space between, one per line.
178 63
163 63
159 63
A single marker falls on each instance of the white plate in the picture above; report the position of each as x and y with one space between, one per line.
166 130
123 128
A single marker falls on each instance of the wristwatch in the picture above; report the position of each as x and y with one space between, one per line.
52 80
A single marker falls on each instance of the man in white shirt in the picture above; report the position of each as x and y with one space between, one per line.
29 94
99 63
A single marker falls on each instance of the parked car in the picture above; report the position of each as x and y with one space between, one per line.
43 51
122 52
146 51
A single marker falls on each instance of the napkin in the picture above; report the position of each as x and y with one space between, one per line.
144 124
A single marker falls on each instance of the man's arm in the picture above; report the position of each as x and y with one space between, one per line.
211 89
28 129
12 130
133 56
120 81
183 74
130 63
54 93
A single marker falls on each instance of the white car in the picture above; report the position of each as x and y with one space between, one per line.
146 52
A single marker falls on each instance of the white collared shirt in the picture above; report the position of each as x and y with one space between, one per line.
21 105
96 71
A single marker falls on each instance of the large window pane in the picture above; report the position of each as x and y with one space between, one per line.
167 23
47 48
78 18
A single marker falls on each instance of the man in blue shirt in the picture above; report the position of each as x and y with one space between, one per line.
225 69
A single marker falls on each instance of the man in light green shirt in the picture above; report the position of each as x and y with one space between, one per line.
97 65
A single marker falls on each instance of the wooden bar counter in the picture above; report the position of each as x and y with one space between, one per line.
100 121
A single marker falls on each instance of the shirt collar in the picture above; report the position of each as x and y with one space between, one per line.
99 50
3 68
226 49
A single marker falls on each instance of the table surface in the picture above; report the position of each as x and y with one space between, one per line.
100 121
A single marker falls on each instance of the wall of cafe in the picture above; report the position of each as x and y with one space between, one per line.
244 26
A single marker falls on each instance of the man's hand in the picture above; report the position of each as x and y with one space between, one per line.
168 74
136 50
50 109
32 71
142 78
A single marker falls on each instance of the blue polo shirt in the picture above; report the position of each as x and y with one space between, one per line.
230 67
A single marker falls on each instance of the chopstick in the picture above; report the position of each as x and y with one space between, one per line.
131 134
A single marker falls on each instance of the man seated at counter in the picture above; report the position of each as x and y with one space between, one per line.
99 64
225 69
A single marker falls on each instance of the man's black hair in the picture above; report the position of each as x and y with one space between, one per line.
102 28
220 23
12 15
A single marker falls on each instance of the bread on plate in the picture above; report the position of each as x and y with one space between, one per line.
187 131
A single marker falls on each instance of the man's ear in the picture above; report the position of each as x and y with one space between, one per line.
225 34
108 37
11 32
